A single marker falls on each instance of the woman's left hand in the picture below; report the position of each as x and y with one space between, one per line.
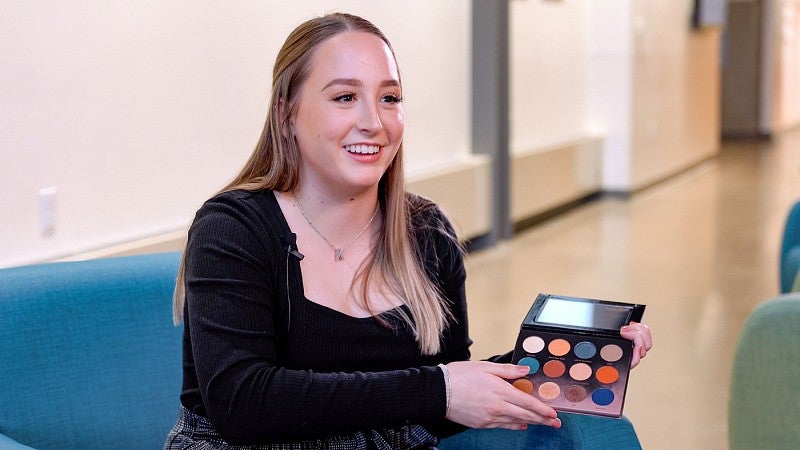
639 333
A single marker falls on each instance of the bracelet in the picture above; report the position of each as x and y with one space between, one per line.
447 388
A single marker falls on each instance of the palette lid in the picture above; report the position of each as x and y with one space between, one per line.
581 314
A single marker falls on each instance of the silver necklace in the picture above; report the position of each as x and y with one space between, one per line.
338 252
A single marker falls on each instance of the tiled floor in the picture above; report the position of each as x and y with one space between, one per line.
700 249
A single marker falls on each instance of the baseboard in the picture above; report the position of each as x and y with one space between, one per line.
165 242
463 190
546 178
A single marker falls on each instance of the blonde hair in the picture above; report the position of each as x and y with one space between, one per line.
275 164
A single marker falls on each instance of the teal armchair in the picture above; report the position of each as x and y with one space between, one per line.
764 404
790 252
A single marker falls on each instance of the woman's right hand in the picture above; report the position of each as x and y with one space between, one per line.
482 398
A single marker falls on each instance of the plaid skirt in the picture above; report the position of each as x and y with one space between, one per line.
193 431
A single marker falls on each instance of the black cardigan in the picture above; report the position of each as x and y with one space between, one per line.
265 364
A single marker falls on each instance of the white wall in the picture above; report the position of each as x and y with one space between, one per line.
138 111
631 71
556 156
549 73
675 86
610 42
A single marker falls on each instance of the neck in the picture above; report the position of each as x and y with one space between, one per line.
345 225
340 209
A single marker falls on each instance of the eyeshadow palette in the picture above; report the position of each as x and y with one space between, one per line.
577 359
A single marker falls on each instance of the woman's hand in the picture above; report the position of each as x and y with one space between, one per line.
482 398
639 333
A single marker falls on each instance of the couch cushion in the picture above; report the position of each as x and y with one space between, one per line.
577 432
91 358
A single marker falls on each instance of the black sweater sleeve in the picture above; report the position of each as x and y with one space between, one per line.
233 297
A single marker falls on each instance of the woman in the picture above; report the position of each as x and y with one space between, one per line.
324 306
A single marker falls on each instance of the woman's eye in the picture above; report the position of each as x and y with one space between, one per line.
345 98
391 99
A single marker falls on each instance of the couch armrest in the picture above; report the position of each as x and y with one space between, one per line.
6 443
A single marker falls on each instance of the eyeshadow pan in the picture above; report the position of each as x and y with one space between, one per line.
575 393
611 352
607 375
585 350
533 344
602 397
558 347
549 390
532 363
554 368
523 384
580 371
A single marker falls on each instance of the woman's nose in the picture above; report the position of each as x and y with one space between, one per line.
369 120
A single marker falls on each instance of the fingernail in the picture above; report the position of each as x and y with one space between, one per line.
523 369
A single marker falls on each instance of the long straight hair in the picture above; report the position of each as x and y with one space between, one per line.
275 164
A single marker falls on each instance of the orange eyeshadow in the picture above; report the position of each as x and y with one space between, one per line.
523 384
607 375
554 368
558 347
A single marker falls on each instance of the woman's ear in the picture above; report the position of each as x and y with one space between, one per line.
283 114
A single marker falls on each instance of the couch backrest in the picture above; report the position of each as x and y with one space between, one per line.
89 357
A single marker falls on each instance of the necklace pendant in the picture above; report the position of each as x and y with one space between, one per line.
339 254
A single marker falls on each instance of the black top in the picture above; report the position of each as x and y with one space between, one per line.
265 364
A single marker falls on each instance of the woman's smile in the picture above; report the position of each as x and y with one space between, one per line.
362 149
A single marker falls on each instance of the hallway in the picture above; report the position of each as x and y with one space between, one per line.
700 250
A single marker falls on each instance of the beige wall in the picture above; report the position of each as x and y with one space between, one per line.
787 47
675 91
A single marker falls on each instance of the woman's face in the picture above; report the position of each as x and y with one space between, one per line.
349 118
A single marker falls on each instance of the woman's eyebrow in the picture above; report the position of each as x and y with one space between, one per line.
354 82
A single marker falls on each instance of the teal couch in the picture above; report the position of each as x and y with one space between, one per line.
90 357
91 360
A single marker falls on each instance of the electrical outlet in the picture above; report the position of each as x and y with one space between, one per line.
47 211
